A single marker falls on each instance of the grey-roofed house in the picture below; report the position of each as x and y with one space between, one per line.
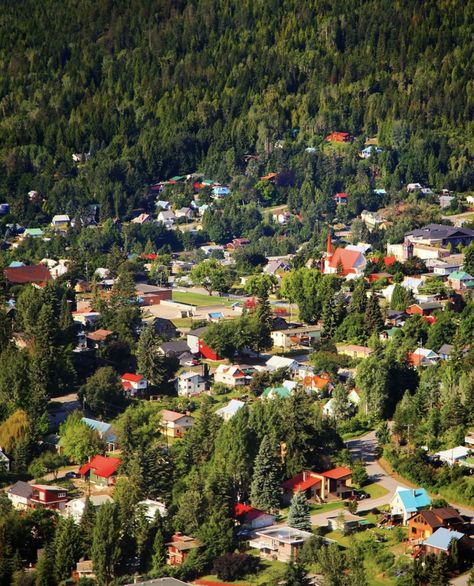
441 235
164 327
20 495
174 348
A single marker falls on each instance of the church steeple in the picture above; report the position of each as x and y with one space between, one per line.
329 250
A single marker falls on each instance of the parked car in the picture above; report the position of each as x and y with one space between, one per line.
72 474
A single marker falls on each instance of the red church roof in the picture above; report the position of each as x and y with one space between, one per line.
101 466
348 259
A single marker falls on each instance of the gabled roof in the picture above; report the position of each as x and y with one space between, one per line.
442 537
231 408
21 489
437 517
99 335
276 362
413 498
27 274
101 466
440 231
171 416
348 258
131 377
99 426
281 392
337 473
301 481
247 513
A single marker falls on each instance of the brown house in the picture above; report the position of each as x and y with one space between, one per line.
179 548
425 523
318 486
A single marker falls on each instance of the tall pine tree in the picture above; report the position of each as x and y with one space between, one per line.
298 515
265 490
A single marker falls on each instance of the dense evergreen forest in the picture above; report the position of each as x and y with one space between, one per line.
154 88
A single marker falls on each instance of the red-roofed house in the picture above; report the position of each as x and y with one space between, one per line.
133 383
389 260
101 470
338 137
341 199
318 383
335 483
250 518
37 274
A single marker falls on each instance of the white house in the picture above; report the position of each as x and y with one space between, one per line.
134 383
277 362
296 336
151 507
455 455
187 213
167 217
352 397
174 424
190 384
142 219
229 410
414 187
407 501
231 376
20 495
60 222
75 507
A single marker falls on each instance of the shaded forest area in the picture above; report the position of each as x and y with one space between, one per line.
152 88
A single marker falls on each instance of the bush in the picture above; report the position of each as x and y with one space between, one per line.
232 566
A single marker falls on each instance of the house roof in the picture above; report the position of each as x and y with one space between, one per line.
27 274
102 466
189 375
337 473
440 232
301 481
442 537
276 362
281 392
131 377
171 416
177 346
437 517
446 350
21 489
461 276
247 513
197 331
47 487
99 426
99 335
413 498
348 258
231 408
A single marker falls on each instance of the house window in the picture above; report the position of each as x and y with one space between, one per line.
413 529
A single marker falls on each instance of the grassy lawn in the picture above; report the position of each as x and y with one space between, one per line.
354 434
268 572
375 490
199 299
183 322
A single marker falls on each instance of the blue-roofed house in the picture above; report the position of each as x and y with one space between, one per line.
215 316
16 263
408 501
369 151
276 393
104 430
380 192
220 191
441 540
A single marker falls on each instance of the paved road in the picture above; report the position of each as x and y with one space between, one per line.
461 580
364 448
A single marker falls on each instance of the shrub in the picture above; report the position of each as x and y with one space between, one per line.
232 566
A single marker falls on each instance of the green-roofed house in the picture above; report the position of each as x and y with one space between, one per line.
389 334
33 233
208 181
460 280
276 393
177 178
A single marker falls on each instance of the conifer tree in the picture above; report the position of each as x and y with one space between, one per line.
295 575
158 559
67 548
373 320
45 567
329 318
150 364
105 545
86 527
359 297
298 515
266 485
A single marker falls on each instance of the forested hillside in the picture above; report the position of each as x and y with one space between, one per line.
155 88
